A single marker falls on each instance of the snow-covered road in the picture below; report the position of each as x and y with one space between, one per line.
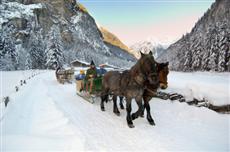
47 116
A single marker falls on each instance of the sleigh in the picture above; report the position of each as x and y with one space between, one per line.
65 76
96 89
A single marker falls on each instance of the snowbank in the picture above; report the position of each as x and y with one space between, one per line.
212 86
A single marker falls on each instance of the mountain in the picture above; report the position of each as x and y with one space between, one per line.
42 34
112 39
207 46
114 43
157 46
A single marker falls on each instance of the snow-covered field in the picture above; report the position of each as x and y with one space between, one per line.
215 87
47 116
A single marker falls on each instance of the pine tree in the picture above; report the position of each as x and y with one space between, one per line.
213 63
197 55
188 57
54 51
36 52
8 55
224 51
28 62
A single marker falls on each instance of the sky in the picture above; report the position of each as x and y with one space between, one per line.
139 20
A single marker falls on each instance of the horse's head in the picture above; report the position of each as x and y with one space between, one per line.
163 72
148 67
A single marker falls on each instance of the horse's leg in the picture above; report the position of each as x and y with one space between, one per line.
140 108
115 109
129 109
121 102
143 112
103 99
147 106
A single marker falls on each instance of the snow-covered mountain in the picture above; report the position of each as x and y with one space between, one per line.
45 33
207 46
156 45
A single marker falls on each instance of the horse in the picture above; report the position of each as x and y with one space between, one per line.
163 71
130 84
150 91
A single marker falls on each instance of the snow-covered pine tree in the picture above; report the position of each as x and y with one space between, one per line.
196 55
8 55
214 50
28 62
188 57
36 52
54 51
224 54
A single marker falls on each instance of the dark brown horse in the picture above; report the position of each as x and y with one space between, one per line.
130 84
150 91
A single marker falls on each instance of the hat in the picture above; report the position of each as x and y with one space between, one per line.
92 63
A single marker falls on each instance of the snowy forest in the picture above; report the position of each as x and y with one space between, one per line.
207 46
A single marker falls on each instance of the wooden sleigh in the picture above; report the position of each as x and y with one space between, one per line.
83 93
65 76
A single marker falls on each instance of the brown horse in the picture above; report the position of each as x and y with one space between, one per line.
130 84
163 72
150 90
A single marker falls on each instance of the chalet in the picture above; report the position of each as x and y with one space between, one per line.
79 63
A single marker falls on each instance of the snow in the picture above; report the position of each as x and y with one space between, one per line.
16 10
212 86
11 79
77 18
47 116
165 42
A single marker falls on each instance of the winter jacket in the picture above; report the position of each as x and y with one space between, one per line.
101 71
92 72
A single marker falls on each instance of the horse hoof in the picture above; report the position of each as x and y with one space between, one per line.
117 113
122 107
131 125
142 116
102 109
152 123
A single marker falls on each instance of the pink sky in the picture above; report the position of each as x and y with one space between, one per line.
172 29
